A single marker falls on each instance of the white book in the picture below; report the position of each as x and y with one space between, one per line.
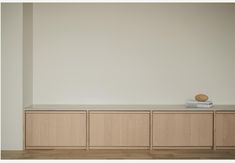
199 105
204 106
197 102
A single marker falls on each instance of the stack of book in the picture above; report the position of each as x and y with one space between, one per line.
197 104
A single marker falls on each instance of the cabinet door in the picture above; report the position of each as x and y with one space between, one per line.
123 129
182 129
55 129
225 129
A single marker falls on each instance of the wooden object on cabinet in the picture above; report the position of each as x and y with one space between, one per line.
225 130
120 129
183 129
55 129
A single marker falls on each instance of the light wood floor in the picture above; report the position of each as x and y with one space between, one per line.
119 154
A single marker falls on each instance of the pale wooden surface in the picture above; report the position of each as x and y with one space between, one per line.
119 147
174 129
87 130
225 129
24 137
181 147
55 147
122 129
180 129
214 130
55 129
151 130
127 107
225 147
119 154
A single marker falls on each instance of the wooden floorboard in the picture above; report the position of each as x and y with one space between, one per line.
118 154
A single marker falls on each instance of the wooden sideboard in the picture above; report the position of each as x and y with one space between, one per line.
129 128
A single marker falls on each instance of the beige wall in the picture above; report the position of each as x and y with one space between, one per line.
133 53
12 93
27 54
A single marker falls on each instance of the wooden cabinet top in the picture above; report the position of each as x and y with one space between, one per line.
129 107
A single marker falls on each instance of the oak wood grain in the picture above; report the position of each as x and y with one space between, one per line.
122 129
55 129
225 129
119 154
180 129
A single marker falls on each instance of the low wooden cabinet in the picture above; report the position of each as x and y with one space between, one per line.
130 129
119 129
225 129
182 129
55 129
